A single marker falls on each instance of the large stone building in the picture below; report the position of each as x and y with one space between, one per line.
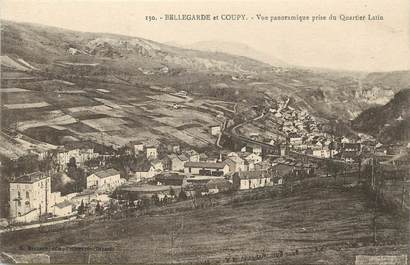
30 197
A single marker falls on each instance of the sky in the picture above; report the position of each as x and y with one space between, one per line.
378 45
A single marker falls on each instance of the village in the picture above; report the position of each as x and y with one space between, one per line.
151 172
134 139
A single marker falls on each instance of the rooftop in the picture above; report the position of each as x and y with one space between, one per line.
106 173
230 162
151 147
205 165
351 145
149 188
218 183
31 178
63 204
281 169
236 159
252 174
201 178
162 177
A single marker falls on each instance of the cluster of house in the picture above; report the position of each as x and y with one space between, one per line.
31 196
293 120
194 172
188 170
303 130
81 155
305 135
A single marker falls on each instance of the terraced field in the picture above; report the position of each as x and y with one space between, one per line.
105 113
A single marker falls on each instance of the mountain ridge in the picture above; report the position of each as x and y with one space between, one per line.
144 63
105 43
390 123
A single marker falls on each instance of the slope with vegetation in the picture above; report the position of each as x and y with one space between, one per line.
391 122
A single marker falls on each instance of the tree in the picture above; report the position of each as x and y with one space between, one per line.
155 199
72 163
47 163
81 208
171 192
98 209
182 195
165 200
145 203
332 168
112 207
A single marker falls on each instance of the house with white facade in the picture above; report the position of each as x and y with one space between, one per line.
138 147
323 152
246 180
144 172
30 197
64 208
215 129
104 180
151 152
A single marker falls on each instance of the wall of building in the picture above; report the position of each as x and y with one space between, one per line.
108 183
31 216
152 153
92 181
80 155
25 197
65 211
254 183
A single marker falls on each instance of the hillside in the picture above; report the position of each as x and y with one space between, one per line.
115 89
391 122
397 79
43 45
318 225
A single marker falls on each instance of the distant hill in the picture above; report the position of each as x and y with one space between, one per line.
400 79
81 58
391 122
42 45
236 48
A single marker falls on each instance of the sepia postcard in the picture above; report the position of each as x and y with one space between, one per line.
205 132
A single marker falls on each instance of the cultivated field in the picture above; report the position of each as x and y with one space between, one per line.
108 113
